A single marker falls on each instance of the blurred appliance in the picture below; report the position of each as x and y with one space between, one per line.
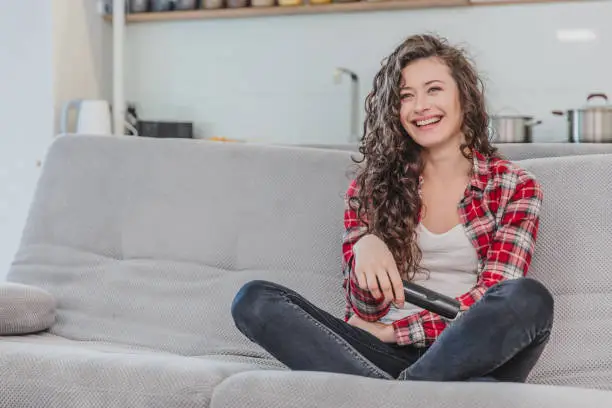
591 123
93 117
165 129
512 128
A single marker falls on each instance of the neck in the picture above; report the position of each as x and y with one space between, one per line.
445 162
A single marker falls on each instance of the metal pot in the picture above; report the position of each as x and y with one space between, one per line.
591 124
512 129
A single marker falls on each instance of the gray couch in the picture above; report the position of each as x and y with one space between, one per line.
119 295
513 151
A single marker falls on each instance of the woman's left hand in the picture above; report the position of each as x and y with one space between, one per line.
384 332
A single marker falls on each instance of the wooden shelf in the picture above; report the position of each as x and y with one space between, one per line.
515 2
357 6
351 7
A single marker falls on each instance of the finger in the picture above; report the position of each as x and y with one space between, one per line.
361 279
396 283
385 285
372 285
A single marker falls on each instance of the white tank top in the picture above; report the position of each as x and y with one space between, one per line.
452 262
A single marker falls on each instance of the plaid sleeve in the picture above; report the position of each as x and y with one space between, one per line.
359 301
510 251
508 257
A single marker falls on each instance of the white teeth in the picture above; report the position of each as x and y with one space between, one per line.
428 121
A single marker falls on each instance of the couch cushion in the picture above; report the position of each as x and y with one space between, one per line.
323 390
46 371
25 309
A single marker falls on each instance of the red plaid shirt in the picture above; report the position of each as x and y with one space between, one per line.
500 213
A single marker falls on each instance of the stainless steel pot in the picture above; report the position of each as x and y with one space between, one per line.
512 128
591 124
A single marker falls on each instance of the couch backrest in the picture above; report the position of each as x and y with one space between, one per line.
145 241
574 259
515 151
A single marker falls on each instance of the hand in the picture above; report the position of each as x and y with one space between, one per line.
376 270
383 332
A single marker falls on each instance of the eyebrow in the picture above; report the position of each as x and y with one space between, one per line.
426 83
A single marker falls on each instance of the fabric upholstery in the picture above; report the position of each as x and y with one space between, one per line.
139 250
143 243
45 374
573 258
25 309
513 151
315 390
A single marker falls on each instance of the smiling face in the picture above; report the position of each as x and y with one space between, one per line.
430 104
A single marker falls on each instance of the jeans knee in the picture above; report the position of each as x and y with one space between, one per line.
529 298
248 307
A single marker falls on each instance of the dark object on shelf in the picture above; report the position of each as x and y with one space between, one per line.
263 3
139 6
213 4
171 5
185 4
237 3
162 5
173 130
131 117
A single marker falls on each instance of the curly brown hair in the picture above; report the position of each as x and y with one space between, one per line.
387 199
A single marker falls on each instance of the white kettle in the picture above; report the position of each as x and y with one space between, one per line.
93 117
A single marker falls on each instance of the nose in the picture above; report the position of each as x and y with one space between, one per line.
421 103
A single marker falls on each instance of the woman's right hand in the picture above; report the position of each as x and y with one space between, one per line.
376 270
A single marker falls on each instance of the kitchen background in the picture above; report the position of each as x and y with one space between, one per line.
271 79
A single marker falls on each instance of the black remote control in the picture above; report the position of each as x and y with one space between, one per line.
428 299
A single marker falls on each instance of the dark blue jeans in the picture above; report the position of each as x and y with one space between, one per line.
500 338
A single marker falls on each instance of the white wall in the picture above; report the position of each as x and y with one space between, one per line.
26 112
270 78
82 54
50 52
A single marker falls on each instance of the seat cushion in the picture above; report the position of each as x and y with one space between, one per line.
323 390
48 371
25 309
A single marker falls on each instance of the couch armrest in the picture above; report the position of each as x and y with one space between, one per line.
300 389
25 309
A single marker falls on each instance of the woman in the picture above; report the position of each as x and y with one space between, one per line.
433 204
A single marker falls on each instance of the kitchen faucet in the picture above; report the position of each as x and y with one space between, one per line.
354 118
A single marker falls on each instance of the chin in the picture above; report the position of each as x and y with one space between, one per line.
429 139
433 140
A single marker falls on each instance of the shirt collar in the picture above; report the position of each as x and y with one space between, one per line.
480 172
480 175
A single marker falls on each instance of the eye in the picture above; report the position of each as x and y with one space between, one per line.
434 89
406 96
